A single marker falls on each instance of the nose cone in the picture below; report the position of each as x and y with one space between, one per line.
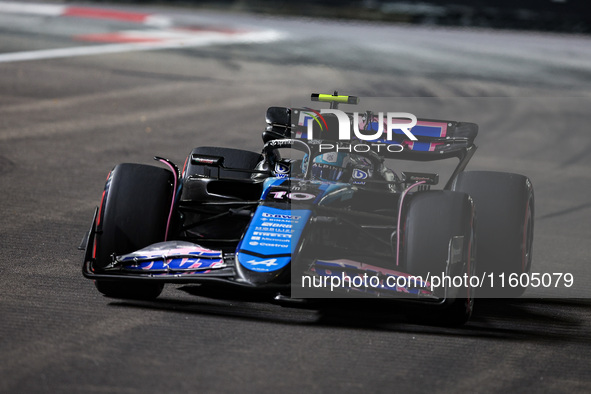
262 270
264 253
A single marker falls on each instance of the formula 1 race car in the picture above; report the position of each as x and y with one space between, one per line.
319 215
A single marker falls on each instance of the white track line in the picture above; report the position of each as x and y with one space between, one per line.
164 38
84 12
199 41
31 8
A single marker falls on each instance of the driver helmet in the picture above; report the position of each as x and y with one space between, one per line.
331 166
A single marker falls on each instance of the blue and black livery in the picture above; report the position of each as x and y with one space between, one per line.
257 222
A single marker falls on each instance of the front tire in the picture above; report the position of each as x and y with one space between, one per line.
134 214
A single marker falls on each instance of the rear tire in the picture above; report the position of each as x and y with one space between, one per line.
432 219
133 215
505 209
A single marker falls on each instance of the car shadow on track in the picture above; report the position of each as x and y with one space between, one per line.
535 320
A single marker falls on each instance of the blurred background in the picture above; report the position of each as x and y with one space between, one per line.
87 85
545 15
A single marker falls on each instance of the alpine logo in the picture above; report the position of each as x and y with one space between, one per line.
268 263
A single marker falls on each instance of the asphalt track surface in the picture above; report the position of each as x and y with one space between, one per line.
66 121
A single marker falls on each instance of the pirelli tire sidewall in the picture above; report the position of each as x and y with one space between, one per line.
505 209
133 214
431 219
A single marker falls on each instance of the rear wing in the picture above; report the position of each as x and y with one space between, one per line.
435 139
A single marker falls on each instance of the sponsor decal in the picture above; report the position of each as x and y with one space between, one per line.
281 170
257 235
360 174
282 225
284 195
280 216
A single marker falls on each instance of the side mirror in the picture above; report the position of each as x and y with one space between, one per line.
279 116
414 177
207 160
279 124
